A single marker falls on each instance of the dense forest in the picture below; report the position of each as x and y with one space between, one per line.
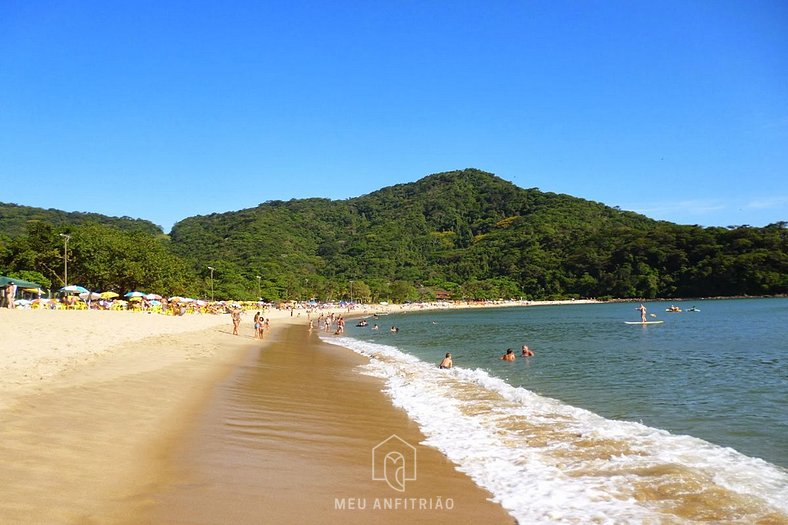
463 235
14 220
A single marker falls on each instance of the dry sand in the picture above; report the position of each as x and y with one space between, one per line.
89 401
105 416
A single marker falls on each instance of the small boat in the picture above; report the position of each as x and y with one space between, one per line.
693 309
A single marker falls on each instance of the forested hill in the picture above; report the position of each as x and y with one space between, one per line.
14 220
471 234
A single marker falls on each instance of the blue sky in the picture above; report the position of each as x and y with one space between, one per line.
162 110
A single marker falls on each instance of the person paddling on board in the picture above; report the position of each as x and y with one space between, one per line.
642 312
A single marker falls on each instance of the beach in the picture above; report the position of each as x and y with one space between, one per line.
119 417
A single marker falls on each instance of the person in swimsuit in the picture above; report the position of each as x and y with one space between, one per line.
527 352
446 363
236 315
642 312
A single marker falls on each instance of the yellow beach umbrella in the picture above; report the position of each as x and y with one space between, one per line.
108 295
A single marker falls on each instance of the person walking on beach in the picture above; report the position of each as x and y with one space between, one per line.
642 312
446 363
236 315
10 294
257 325
509 355
527 352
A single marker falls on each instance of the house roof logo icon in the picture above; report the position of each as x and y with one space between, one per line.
394 461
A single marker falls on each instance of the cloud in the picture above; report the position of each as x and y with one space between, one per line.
769 203
696 207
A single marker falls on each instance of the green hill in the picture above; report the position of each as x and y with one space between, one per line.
461 234
15 218
474 235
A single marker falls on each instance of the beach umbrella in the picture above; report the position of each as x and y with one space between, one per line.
153 297
154 302
108 295
73 288
178 299
134 294
90 296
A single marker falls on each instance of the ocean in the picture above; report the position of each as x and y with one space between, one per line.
679 422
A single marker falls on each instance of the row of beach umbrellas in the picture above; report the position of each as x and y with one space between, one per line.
87 295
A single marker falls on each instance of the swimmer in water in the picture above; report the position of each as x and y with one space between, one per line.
446 363
509 355
527 352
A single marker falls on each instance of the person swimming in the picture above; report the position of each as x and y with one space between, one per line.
527 352
509 355
446 363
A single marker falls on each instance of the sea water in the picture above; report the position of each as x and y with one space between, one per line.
678 422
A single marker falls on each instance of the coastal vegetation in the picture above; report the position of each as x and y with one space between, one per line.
456 235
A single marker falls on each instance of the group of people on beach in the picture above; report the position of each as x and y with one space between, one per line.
261 324
508 356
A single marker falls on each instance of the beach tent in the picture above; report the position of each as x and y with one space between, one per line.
19 282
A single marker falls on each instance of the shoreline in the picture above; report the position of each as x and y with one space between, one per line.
289 436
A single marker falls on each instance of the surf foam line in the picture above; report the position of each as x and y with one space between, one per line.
549 462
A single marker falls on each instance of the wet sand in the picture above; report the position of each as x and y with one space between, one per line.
289 438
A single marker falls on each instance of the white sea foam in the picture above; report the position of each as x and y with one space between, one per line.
549 462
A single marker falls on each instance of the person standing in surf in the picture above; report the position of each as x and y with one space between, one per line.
642 310
446 363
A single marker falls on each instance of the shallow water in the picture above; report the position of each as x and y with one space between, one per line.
608 421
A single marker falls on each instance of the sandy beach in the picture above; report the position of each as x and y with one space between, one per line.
89 402
115 417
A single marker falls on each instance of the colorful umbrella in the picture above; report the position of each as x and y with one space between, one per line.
109 295
73 288
134 294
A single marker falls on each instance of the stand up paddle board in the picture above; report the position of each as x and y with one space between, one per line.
641 322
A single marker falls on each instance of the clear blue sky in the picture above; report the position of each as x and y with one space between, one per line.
162 110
